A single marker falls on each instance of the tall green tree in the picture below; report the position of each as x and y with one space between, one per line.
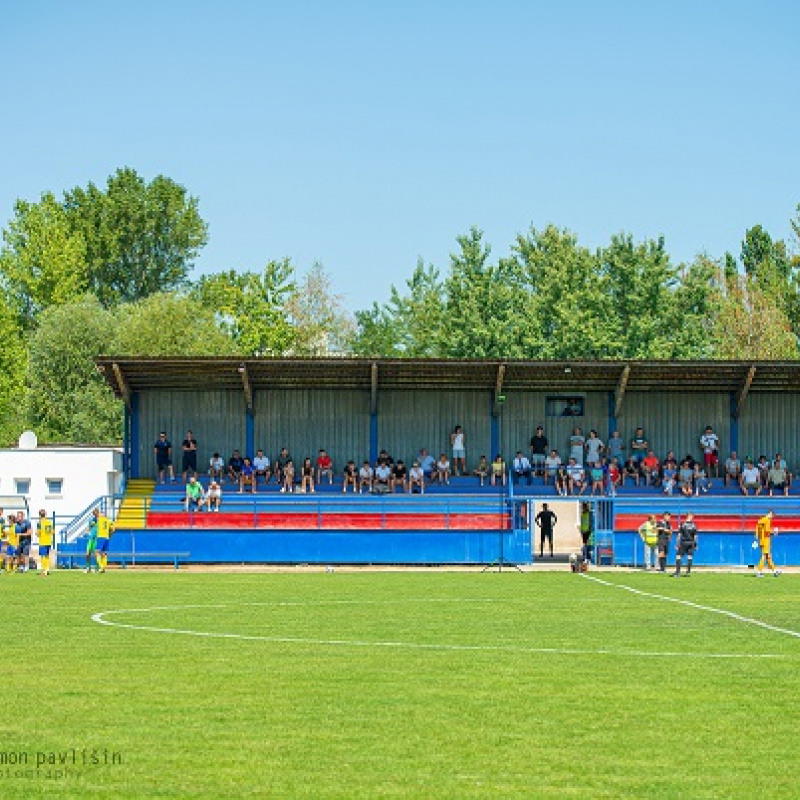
251 307
13 362
168 324
67 399
140 237
43 259
561 304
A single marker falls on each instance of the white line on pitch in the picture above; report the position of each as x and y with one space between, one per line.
723 612
99 618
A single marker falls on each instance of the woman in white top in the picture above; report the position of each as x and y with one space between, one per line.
458 443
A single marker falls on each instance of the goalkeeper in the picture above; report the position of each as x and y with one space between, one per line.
764 534
91 544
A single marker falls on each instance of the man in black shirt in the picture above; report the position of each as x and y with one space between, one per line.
546 520
163 451
687 544
539 446
664 531
189 456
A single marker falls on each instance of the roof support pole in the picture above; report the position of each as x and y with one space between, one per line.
498 389
621 387
247 386
744 391
124 389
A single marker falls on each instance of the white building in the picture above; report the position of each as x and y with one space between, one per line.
63 480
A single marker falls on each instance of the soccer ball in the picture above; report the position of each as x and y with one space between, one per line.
572 558
754 545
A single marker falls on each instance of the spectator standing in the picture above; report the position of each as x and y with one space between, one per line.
539 445
639 446
163 451
594 449
189 448
709 441
615 448
459 447
576 444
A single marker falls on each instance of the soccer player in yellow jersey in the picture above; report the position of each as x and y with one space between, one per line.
12 540
105 527
45 532
764 534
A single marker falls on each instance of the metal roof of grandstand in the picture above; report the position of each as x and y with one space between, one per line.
127 374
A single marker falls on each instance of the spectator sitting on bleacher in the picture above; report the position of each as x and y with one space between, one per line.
686 478
597 476
280 465
216 467
631 470
324 466
482 470
551 466
350 476
521 468
261 466
576 479
235 464
400 476
307 476
195 496
561 481
213 496
614 476
426 463
365 476
382 477
781 461
287 478
670 478
702 482
690 458
763 471
416 479
777 478
733 469
651 468
247 476
498 471
751 479
441 472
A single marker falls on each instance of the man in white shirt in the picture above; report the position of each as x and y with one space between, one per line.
216 467
520 468
365 476
751 479
551 465
261 467
416 478
576 482
733 469
382 480
709 441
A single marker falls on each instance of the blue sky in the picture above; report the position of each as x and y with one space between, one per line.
364 135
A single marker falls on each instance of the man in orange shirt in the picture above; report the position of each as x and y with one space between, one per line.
764 534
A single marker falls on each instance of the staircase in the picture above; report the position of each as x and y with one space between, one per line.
133 511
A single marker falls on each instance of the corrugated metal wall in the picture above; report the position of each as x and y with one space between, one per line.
217 419
410 420
523 411
768 425
676 421
304 420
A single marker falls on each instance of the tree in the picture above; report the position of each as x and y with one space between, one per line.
67 399
321 324
168 324
43 260
250 307
141 238
13 361
562 307
479 304
693 311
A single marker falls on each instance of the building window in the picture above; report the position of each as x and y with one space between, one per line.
22 485
564 406
55 486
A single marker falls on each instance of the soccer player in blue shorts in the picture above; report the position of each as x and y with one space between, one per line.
104 527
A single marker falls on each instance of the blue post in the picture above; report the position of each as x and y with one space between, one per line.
734 425
250 433
134 436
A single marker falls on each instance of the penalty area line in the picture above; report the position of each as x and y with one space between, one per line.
699 606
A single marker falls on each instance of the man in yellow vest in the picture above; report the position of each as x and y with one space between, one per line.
44 530
649 535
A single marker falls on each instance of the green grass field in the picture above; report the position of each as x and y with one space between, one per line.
398 684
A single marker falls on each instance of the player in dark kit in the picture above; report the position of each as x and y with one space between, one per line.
664 531
546 519
687 544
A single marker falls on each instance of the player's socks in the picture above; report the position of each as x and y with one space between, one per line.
662 564
689 567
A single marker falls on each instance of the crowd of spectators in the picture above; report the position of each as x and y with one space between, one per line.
592 467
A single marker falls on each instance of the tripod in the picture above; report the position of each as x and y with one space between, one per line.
501 561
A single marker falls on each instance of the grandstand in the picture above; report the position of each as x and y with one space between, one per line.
356 407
